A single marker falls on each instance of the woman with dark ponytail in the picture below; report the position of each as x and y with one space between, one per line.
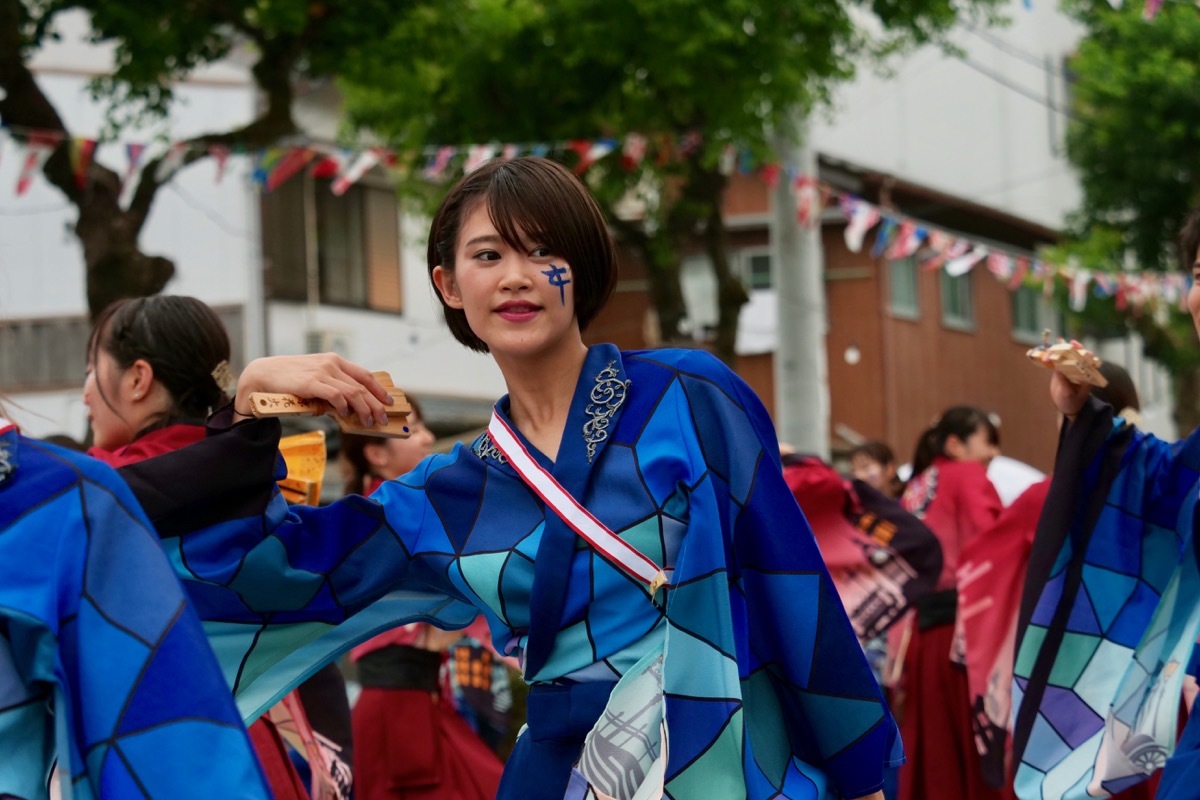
951 493
156 369
150 381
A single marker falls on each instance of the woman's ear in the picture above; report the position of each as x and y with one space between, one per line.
141 378
376 454
955 447
447 287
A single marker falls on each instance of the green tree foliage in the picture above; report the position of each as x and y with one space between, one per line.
734 71
1134 136
157 45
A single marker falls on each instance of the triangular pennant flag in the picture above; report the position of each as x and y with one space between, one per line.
478 155
633 151
805 191
1000 265
590 151
220 156
861 216
437 165
938 245
133 159
539 149
82 150
171 162
509 152
729 160
1020 270
770 174
689 143
360 166
38 148
883 237
1152 8
957 267
1080 280
329 164
908 240
288 165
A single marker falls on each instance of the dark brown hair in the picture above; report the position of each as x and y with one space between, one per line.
529 199
958 421
1120 393
353 452
181 338
875 450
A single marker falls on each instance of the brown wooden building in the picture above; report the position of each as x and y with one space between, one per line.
903 343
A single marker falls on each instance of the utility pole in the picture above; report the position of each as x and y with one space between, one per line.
798 275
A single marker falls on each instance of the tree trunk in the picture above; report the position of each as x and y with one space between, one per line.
703 197
662 265
115 265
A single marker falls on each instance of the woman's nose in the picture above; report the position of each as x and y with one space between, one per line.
517 275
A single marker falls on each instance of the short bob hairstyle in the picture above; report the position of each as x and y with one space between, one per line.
530 200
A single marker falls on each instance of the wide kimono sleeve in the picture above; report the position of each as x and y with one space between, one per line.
1110 611
92 617
788 691
284 589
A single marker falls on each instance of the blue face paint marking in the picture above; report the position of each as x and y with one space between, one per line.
556 275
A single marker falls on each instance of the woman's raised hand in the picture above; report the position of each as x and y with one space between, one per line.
344 385
1068 397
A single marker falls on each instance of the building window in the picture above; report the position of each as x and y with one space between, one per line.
756 269
902 288
357 242
958 302
1033 313
50 353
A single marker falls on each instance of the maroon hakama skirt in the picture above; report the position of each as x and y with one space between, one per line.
409 744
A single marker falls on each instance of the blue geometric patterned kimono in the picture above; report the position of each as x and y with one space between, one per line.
766 693
94 624
1110 613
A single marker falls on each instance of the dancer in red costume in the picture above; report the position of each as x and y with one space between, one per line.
411 742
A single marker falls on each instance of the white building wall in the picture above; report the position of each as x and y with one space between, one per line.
940 121
208 230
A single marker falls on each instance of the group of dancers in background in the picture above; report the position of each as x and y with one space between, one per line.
628 536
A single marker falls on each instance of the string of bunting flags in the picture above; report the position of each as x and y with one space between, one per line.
897 236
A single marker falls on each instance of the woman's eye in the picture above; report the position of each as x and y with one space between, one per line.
487 255
541 252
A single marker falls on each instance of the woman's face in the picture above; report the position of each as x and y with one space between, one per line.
519 300
872 472
108 397
976 447
391 458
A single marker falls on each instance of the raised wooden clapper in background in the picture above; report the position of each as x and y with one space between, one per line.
272 404
1076 363
304 455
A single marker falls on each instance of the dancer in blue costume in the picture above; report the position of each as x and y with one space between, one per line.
1111 607
742 678
103 665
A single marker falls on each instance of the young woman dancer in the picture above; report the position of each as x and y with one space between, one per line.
951 493
676 464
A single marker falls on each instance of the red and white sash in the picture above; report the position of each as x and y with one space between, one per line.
618 551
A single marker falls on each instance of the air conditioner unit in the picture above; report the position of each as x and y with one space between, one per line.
324 340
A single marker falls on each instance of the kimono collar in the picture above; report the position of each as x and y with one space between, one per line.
8 449
600 392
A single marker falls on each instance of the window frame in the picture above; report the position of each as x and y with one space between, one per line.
911 312
964 287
